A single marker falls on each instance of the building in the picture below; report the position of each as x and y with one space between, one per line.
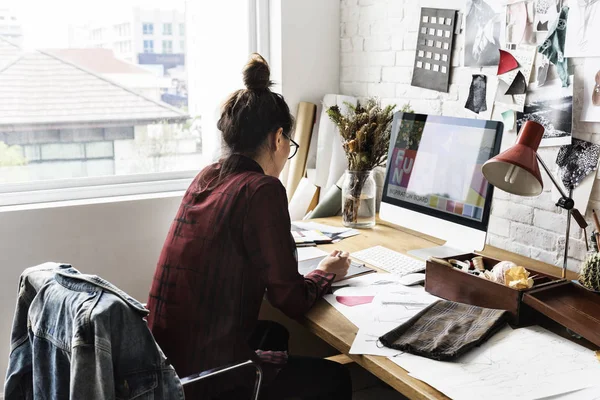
104 63
141 31
10 27
151 37
66 121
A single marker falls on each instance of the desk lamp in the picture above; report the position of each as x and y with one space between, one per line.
516 171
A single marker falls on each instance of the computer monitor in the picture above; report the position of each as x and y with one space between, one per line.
434 183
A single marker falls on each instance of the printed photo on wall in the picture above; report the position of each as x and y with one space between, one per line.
546 12
583 29
484 26
551 106
519 24
591 90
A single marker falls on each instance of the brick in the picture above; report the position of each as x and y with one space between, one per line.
572 264
433 107
358 43
405 58
395 9
351 28
381 89
499 226
364 28
452 94
348 74
369 74
367 2
353 89
497 241
396 74
519 248
378 43
346 45
373 12
512 211
410 41
397 42
536 237
353 14
543 202
407 91
549 221
374 59
383 27
548 257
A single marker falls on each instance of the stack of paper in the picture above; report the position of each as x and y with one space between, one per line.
332 232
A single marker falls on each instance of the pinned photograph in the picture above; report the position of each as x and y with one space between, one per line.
484 26
590 111
545 14
550 105
583 29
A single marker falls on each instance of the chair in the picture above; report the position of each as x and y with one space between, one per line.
218 371
222 370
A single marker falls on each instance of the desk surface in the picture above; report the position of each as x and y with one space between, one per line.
331 326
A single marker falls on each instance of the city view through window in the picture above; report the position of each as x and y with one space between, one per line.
94 88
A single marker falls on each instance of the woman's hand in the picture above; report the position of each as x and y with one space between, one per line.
336 263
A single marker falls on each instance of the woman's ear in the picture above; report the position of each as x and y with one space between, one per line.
279 139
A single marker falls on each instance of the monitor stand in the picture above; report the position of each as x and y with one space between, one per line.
445 251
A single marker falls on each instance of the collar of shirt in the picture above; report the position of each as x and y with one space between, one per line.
244 163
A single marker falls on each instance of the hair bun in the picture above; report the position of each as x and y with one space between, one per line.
257 73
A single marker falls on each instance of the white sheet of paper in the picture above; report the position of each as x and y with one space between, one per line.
308 253
366 285
583 29
526 363
590 112
328 149
313 226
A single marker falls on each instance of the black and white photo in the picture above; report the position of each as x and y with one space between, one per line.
484 26
550 105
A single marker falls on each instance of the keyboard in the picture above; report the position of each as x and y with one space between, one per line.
390 260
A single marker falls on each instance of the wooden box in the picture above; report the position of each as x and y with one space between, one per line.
571 305
456 285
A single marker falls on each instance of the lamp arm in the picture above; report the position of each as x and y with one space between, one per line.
552 178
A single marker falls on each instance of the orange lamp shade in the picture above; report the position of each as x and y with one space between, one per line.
516 170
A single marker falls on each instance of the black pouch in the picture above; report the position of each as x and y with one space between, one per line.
445 330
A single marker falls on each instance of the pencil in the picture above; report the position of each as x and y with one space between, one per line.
596 222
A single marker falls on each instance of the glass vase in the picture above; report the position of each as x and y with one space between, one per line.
358 199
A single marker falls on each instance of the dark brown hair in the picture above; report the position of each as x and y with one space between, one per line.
250 115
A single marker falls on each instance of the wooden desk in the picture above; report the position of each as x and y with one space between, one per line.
331 326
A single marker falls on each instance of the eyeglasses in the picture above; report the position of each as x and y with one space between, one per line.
293 144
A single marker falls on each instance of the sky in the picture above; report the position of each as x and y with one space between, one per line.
46 23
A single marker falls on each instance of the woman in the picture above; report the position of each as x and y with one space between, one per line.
230 242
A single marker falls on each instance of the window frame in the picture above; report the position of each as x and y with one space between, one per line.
150 47
170 47
60 190
147 28
167 32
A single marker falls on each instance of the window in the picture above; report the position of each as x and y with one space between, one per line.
148 28
182 29
167 29
148 46
167 46
84 144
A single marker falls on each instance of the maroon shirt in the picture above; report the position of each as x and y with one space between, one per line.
227 245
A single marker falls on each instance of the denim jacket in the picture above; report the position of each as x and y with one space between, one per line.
76 336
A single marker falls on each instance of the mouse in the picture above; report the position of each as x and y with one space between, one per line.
412 279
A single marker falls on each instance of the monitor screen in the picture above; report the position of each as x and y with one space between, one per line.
434 166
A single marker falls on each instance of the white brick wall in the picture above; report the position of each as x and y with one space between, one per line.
378 39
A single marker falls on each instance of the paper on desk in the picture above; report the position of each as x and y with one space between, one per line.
365 285
526 363
389 310
308 253
313 226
